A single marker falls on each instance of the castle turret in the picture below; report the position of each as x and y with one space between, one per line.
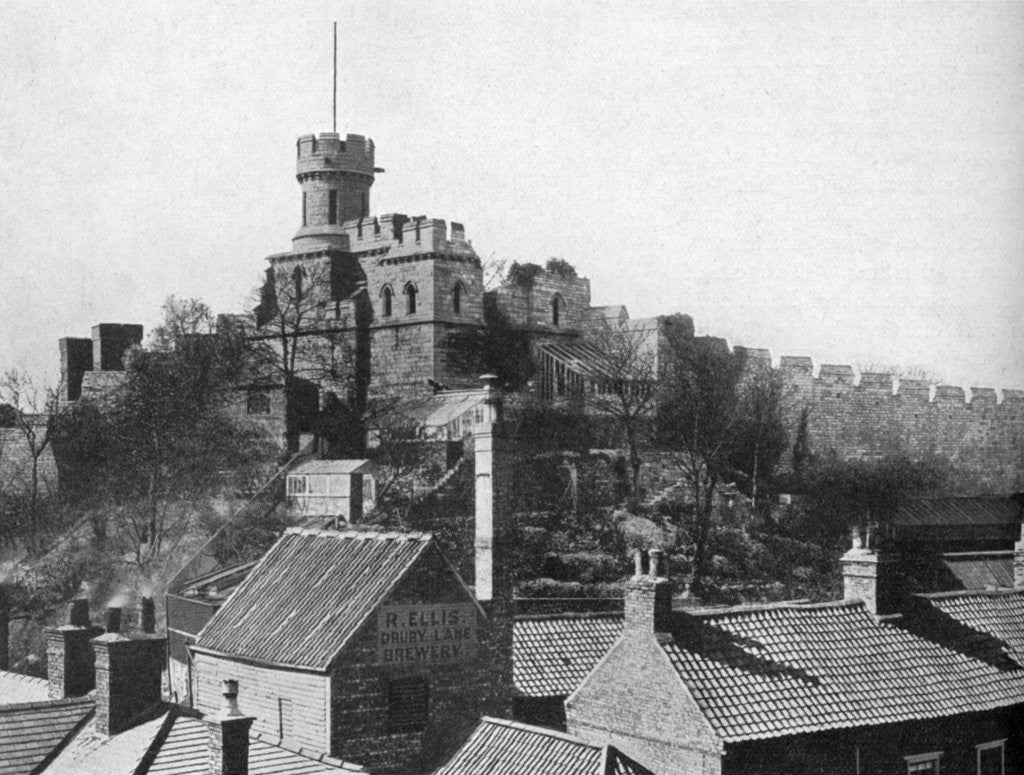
336 175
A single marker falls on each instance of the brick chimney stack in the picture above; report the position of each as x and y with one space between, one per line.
128 672
5 630
870 573
69 655
228 735
493 533
1018 561
648 596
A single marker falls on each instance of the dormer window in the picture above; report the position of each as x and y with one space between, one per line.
410 299
557 308
385 301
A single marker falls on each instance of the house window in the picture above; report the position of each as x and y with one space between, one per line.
457 298
257 402
385 298
408 703
332 206
296 485
303 208
992 758
557 306
410 298
297 280
924 764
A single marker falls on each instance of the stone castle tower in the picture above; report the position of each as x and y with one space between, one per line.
393 290
397 294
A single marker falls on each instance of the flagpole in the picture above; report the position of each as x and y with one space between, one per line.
334 106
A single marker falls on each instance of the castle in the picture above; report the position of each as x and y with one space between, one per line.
390 302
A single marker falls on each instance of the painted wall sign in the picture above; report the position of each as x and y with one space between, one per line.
427 633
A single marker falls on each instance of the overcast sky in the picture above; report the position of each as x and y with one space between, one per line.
839 180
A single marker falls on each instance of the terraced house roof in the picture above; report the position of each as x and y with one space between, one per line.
500 747
15 687
173 743
999 614
309 594
553 654
782 670
31 734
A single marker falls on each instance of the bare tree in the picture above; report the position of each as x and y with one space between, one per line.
620 383
31 414
307 335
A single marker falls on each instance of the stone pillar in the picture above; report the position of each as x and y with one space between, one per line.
228 736
493 541
127 678
648 597
870 574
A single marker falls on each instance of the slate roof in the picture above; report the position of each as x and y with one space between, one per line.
17 688
978 570
957 511
309 594
338 467
499 747
553 654
780 670
31 733
174 743
997 613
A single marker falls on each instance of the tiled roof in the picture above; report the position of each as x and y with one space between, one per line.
32 732
185 752
176 744
979 570
499 747
333 467
553 654
999 614
780 670
15 687
955 511
309 594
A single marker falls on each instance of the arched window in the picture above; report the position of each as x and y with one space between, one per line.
557 308
385 300
410 298
457 292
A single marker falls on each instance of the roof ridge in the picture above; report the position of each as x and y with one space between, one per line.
360 533
754 608
997 592
546 731
569 615
47 703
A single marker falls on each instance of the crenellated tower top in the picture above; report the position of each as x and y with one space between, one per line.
335 175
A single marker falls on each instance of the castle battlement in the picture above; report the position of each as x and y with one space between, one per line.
327 152
396 234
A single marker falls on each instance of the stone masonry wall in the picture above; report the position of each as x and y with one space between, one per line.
16 465
983 440
459 692
666 730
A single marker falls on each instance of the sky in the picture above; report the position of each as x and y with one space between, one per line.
841 180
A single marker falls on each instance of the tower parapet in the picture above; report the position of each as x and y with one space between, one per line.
336 176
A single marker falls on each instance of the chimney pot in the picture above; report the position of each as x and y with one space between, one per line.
112 619
638 564
79 614
856 541
655 555
229 708
148 615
